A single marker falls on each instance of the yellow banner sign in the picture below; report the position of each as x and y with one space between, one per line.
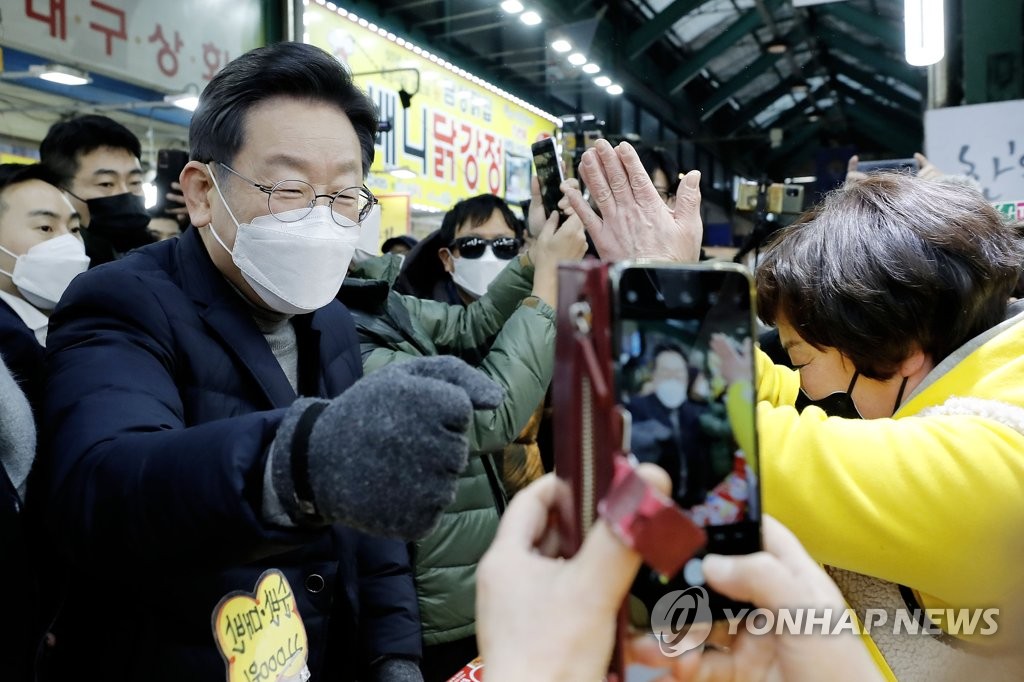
457 135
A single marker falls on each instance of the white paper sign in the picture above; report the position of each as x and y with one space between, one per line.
983 141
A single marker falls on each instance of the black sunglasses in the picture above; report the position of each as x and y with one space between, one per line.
505 248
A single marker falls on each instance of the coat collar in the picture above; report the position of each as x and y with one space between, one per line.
227 314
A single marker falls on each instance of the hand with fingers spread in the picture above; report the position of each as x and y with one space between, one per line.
542 618
635 223
782 576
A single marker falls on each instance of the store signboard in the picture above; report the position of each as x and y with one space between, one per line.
459 137
171 46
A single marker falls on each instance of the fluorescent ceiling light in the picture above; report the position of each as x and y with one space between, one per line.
561 45
602 81
614 89
530 18
591 68
777 47
186 100
56 73
577 59
512 6
924 25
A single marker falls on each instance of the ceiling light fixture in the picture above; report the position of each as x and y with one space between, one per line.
777 47
512 6
530 18
924 26
577 59
591 68
55 73
185 100
614 89
561 45
602 81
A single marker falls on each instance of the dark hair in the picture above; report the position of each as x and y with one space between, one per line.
407 240
16 173
654 158
67 141
286 69
476 211
890 265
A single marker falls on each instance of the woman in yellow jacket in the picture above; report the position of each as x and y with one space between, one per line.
891 299
895 450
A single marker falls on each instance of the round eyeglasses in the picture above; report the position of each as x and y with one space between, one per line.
293 200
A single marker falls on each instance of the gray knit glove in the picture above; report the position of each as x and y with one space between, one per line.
384 456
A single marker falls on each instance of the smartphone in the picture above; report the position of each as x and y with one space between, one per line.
888 165
682 340
169 163
549 172
609 320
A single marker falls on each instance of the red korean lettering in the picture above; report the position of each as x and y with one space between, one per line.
490 153
443 167
121 32
214 58
167 57
56 19
467 151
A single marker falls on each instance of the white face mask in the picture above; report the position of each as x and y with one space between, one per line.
46 269
369 236
671 393
474 275
294 267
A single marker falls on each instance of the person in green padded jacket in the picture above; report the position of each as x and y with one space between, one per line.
508 332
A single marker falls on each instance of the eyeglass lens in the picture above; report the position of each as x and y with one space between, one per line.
351 205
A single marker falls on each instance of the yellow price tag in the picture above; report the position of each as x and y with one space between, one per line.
261 635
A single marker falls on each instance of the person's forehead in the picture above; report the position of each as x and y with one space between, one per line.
285 134
670 359
114 159
32 195
495 225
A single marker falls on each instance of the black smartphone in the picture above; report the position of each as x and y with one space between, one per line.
684 370
888 165
169 163
549 172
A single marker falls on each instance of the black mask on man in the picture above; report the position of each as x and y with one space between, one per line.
840 403
121 219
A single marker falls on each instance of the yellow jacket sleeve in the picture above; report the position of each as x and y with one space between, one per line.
931 502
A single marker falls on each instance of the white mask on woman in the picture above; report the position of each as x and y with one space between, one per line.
294 267
46 269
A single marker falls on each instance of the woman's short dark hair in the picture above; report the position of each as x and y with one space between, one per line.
286 69
476 211
890 265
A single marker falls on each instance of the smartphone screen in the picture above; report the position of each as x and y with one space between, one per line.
684 371
549 172
888 165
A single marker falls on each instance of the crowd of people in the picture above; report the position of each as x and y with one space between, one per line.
233 391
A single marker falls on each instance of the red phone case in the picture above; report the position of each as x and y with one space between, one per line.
588 430
590 454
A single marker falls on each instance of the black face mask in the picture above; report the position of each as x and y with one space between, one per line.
121 219
840 403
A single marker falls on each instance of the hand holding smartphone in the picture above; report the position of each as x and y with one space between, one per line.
652 338
549 173
169 164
